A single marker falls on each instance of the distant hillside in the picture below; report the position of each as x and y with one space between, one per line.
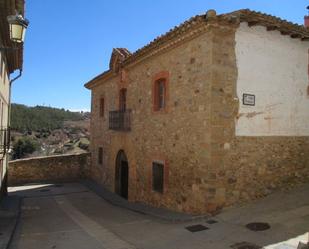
41 118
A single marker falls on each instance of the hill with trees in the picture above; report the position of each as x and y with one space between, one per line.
43 131
37 118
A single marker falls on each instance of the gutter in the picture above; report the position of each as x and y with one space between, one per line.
105 75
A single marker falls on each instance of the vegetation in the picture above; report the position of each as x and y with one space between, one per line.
83 144
24 146
43 131
40 118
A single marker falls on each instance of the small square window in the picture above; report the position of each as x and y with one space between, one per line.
100 155
158 177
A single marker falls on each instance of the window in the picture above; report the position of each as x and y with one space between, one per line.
122 99
100 156
102 107
158 177
160 94
160 91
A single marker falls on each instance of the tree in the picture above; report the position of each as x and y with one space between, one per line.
23 146
37 118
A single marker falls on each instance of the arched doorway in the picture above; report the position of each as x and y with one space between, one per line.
122 175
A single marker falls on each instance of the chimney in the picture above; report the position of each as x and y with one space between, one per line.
306 23
306 19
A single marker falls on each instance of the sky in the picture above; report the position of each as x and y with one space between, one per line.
69 42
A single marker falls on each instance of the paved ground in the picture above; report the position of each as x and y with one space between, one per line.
71 216
9 211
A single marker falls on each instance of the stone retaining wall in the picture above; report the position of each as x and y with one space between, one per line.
51 168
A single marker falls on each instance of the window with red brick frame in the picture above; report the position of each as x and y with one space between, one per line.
101 107
160 91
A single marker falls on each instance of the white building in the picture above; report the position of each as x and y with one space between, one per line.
10 60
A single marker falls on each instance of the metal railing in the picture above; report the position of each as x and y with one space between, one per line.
120 120
4 140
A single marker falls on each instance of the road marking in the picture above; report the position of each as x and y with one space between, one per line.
105 237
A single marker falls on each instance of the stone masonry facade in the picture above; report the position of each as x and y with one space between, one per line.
206 166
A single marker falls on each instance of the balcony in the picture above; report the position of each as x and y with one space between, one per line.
4 140
120 120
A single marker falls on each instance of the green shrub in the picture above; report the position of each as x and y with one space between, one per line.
83 146
24 146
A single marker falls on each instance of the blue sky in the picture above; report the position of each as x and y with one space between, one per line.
68 42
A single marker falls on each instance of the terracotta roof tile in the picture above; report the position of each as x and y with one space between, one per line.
244 15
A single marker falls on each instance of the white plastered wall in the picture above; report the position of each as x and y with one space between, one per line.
4 100
274 68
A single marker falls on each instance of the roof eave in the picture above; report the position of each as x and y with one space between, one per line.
14 58
243 15
100 78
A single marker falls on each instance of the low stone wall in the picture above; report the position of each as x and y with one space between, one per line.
51 168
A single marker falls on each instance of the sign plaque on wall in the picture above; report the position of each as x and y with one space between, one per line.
248 99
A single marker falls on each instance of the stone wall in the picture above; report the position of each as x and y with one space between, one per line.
51 168
256 166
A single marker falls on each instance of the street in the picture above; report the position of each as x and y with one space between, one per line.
71 216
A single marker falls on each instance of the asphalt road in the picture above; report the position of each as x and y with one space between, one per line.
71 216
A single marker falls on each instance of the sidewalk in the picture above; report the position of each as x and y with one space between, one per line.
9 213
160 213
61 216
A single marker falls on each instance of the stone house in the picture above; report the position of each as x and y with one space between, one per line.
10 60
212 113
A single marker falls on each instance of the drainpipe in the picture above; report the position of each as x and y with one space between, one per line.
9 106
5 179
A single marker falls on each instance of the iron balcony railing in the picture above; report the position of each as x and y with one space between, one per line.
4 140
120 120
